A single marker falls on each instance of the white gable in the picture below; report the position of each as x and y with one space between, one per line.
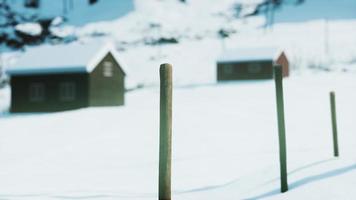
252 54
63 58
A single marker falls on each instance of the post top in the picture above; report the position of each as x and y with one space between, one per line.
166 68
166 65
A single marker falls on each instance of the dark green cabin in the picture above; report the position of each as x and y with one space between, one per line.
65 77
250 64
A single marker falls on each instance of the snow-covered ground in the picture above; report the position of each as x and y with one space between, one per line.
225 143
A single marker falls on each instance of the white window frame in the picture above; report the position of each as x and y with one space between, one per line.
108 70
37 92
67 91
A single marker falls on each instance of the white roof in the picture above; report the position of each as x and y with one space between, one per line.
252 54
63 58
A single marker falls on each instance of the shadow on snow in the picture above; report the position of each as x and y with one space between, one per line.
308 180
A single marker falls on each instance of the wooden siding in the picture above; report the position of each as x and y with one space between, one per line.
244 70
282 60
20 95
102 87
104 90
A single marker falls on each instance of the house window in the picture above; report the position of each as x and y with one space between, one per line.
228 69
108 70
67 91
254 68
37 92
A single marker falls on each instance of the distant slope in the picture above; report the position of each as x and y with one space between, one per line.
195 27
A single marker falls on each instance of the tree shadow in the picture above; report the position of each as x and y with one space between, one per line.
307 180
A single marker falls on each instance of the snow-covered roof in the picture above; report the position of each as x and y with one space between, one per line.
63 58
249 54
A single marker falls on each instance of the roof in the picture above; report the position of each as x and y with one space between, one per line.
64 58
251 54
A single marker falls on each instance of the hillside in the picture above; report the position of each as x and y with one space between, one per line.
188 37
225 136
195 26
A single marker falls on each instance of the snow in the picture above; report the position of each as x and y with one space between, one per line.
33 29
197 19
225 137
315 44
224 145
192 57
240 55
62 58
5 99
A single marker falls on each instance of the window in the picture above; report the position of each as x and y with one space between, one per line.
254 68
37 92
228 68
108 69
67 91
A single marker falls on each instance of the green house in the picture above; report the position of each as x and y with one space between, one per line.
62 77
250 64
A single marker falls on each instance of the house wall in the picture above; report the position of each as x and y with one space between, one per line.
107 90
245 70
21 97
282 60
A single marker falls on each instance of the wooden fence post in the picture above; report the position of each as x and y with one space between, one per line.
334 123
165 146
278 77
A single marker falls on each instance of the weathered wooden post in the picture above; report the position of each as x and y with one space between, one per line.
278 77
165 146
334 123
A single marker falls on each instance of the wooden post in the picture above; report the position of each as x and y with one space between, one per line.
278 77
165 146
334 124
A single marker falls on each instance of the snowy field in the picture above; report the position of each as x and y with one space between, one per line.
225 137
224 145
